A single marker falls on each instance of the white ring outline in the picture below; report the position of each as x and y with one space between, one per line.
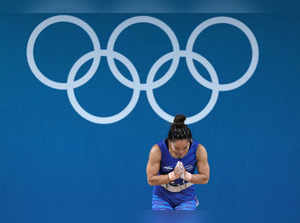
156 22
30 50
136 85
212 101
74 102
254 47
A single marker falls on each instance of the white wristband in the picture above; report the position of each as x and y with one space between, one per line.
172 176
187 176
182 176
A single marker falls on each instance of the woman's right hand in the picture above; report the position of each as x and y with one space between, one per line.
177 172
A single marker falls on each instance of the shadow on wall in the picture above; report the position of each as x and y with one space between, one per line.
176 217
135 6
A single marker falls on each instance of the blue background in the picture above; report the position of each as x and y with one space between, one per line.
56 166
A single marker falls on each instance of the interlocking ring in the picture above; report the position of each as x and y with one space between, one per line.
150 84
36 32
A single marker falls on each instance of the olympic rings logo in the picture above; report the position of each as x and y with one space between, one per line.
150 84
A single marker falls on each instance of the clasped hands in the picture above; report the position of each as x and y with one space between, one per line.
179 172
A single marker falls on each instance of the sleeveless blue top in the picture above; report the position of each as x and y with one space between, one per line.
167 165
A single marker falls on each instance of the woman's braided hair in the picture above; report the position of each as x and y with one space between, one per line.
179 130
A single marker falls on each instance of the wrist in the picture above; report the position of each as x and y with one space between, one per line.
172 176
188 176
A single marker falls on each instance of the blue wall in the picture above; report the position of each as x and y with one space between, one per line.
55 166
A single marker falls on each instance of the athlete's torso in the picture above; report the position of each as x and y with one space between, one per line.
167 164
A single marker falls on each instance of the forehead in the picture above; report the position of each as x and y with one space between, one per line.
180 142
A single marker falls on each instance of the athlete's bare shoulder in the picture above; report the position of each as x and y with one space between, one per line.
155 153
153 164
201 152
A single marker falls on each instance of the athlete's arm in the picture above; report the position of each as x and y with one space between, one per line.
153 167
203 168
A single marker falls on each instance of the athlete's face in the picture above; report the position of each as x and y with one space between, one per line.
180 147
